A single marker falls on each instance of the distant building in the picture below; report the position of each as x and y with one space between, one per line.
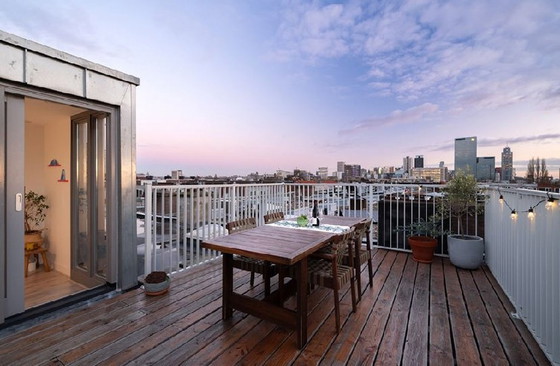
283 173
465 155
507 164
485 168
323 172
430 174
441 164
352 171
340 167
408 164
176 174
419 161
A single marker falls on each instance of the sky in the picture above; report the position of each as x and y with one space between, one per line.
239 86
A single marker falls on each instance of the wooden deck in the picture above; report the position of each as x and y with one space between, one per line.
415 314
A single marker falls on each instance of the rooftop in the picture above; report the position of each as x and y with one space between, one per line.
414 313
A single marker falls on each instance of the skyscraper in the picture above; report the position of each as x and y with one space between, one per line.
507 164
408 164
485 168
419 161
465 155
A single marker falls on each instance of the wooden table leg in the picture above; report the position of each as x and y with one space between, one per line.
301 312
227 291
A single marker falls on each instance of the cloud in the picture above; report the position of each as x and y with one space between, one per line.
467 53
63 25
502 141
397 117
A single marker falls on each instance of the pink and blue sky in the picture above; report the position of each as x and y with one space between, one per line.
238 86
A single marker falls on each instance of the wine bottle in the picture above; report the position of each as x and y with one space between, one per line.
315 214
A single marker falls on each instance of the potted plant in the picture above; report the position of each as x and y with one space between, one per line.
463 199
34 215
423 237
156 283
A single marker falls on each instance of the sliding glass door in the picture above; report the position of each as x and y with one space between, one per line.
91 249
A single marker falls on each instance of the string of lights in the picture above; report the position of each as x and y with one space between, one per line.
550 202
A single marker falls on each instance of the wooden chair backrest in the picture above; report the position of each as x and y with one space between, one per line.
340 242
240 225
361 229
273 217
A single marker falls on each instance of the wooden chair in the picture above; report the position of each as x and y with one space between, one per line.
325 268
252 265
361 255
273 217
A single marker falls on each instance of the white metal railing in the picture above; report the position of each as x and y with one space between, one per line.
523 254
176 219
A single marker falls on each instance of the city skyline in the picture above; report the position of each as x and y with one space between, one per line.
232 87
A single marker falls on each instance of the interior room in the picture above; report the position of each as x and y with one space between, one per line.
47 172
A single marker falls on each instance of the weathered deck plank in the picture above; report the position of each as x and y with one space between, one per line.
488 342
416 346
413 314
440 347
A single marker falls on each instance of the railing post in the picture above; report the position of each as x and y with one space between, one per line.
148 228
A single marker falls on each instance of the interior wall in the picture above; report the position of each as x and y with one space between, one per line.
57 146
34 156
44 142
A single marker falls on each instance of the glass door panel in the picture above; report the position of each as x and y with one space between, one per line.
81 166
90 244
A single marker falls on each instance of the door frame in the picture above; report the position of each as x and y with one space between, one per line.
113 186
12 193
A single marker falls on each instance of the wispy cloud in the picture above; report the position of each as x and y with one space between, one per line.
502 141
410 115
64 25
473 54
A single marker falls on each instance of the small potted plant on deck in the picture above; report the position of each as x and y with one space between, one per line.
463 199
422 237
156 283
34 214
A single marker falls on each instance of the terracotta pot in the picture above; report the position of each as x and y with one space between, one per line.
422 248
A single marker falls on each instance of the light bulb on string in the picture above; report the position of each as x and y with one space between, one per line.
501 199
513 214
531 213
550 203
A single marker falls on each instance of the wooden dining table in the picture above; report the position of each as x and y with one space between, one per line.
282 246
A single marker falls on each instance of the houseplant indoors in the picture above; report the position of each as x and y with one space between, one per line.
464 199
34 215
422 237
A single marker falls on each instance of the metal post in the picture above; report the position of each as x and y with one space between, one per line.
148 228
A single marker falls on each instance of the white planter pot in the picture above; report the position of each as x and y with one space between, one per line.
466 251
32 265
